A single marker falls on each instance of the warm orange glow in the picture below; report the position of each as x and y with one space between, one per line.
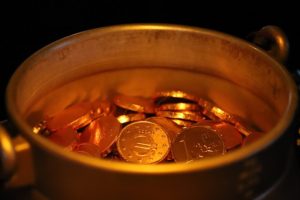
123 119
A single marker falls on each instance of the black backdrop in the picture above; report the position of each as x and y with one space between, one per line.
26 26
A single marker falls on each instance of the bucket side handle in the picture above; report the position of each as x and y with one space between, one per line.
16 168
273 40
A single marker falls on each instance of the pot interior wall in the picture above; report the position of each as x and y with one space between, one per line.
144 59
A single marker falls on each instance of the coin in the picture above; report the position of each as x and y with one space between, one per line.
88 149
179 107
168 125
242 126
131 117
229 134
197 142
176 94
207 107
204 122
182 123
185 115
63 137
143 142
253 137
137 104
102 132
75 116
102 108
41 129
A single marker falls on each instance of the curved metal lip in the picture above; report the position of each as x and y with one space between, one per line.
120 167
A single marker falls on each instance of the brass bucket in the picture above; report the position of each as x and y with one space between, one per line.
138 60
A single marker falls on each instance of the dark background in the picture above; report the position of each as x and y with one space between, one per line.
27 26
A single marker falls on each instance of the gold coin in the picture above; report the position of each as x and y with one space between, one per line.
197 142
131 117
168 125
207 107
137 104
179 107
75 116
102 132
176 94
143 142
230 135
185 115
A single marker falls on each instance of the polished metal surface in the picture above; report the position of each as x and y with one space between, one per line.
186 56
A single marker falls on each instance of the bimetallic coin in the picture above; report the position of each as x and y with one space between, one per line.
102 132
179 107
168 125
75 116
143 142
137 104
197 142
185 115
176 94
123 119
230 135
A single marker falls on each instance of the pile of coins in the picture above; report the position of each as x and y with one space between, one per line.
172 126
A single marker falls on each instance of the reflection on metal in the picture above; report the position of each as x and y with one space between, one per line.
7 155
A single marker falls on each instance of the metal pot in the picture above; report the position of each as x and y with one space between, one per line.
139 59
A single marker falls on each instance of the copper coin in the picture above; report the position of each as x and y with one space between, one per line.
176 94
254 136
182 123
137 104
41 129
207 107
204 122
179 107
131 117
102 108
102 132
197 142
230 135
88 149
143 142
75 116
63 137
221 114
185 115
168 125
242 126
